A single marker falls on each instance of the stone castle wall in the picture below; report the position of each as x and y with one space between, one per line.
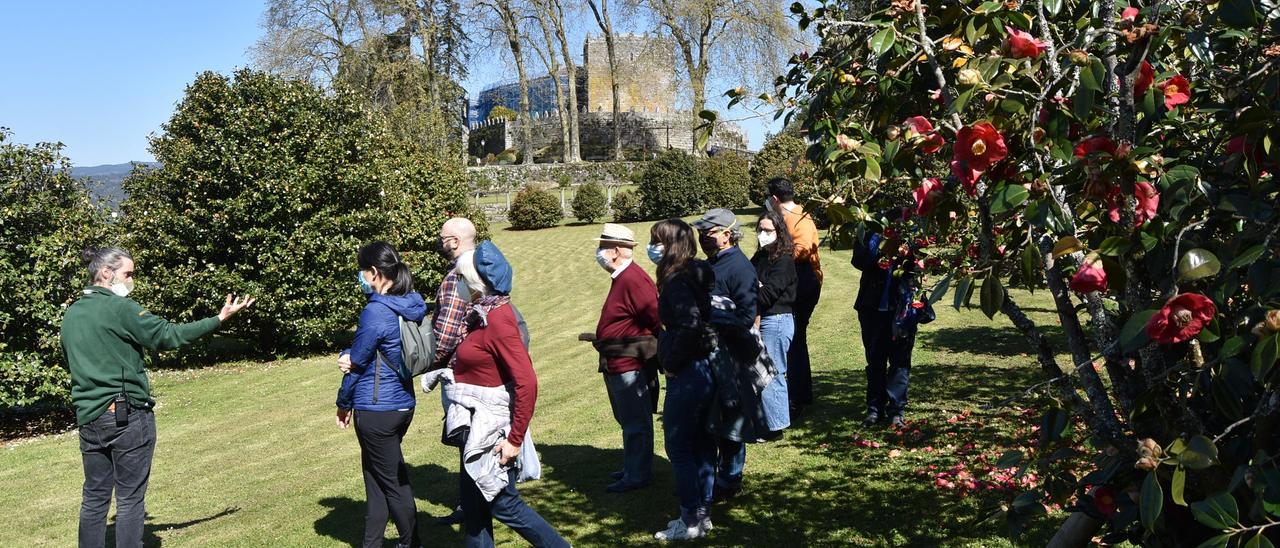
643 132
646 70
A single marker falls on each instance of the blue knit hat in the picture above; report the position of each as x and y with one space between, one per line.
493 268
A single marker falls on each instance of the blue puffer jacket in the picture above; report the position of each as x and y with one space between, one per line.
379 331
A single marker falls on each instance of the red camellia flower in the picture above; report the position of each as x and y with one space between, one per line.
1148 201
977 147
1100 143
920 125
1022 45
1181 318
1146 75
1177 91
927 196
1129 14
1091 277
1104 499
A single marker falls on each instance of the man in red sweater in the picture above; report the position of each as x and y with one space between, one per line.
626 338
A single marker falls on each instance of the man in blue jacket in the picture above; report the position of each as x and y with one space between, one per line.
718 234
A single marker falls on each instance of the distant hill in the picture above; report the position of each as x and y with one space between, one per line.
107 179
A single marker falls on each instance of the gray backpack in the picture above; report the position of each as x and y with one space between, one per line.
417 352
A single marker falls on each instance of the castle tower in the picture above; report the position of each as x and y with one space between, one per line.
646 69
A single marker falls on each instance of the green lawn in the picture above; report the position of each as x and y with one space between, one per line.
248 453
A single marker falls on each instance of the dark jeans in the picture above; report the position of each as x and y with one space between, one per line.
799 371
888 363
119 459
508 507
386 478
733 458
691 449
632 408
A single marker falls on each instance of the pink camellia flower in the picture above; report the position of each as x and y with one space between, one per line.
1091 277
1177 91
919 125
1104 500
1129 14
1181 318
977 147
1022 45
1146 75
927 196
846 143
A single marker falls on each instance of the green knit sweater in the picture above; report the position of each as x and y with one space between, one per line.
103 336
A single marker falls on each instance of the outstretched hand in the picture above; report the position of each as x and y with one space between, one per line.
234 305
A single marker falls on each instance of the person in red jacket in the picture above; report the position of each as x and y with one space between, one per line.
493 354
626 337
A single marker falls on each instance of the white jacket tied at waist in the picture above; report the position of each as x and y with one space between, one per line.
485 413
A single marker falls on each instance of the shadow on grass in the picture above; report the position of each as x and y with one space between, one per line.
1003 341
150 529
431 482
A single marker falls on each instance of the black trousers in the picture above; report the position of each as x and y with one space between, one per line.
116 459
799 371
888 363
386 477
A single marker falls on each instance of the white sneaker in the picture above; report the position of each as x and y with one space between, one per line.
706 525
677 530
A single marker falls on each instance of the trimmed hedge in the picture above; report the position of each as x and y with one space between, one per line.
627 207
533 208
590 203
672 186
727 181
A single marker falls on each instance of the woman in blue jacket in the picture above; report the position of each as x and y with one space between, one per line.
375 393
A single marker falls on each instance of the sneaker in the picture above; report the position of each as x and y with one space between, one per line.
871 420
615 476
897 422
677 530
623 487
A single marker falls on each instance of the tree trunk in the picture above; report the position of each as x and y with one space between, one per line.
606 26
511 25
571 71
553 65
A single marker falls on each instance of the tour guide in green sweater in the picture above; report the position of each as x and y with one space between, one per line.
103 336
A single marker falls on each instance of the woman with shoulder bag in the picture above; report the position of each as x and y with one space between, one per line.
685 345
375 394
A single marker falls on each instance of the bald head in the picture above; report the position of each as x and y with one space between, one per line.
457 236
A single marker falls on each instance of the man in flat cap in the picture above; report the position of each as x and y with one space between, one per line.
626 337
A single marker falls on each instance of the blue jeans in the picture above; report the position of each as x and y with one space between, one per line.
632 408
777 331
509 508
733 458
888 364
116 459
690 448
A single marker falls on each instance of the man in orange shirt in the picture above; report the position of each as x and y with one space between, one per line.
808 288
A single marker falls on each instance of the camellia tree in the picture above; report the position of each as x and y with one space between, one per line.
1121 156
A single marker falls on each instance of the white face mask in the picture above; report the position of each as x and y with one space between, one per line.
767 238
605 262
122 288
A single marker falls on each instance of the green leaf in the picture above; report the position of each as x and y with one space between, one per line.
1233 347
1007 198
1181 173
1247 257
1259 541
961 100
1179 486
1238 14
1091 76
872 172
1115 246
1133 335
1082 105
962 292
1054 6
1067 245
882 41
1217 512
1198 263
1200 453
869 148
1009 459
1264 356
1219 541
708 115
988 7
1151 500
1030 264
992 296
940 290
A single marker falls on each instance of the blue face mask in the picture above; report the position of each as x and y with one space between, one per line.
364 284
655 252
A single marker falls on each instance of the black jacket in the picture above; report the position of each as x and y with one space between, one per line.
684 306
866 257
736 279
777 291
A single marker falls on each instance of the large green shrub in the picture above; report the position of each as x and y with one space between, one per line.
268 187
671 186
533 208
727 181
46 220
627 207
590 203
783 155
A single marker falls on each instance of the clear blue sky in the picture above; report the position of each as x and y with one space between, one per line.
101 76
